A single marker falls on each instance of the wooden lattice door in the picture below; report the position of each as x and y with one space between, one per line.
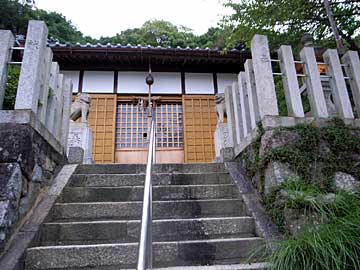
132 123
102 124
199 127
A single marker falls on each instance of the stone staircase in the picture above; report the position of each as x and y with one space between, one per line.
199 220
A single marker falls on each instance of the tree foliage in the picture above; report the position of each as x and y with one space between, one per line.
165 34
285 21
14 15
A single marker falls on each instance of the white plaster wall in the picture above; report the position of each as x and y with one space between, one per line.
199 83
225 80
134 83
98 82
74 76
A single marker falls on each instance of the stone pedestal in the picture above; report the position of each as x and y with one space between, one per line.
80 135
222 140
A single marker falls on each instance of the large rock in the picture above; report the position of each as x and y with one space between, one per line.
10 182
345 182
275 174
274 139
7 218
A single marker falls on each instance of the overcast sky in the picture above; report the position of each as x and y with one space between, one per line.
108 17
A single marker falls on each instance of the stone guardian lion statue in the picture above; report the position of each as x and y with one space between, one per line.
81 107
220 107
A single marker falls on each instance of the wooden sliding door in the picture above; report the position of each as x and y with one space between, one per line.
102 124
199 127
132 125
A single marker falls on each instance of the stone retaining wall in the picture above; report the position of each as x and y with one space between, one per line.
28 164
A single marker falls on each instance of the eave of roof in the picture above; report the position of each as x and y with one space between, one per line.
119 57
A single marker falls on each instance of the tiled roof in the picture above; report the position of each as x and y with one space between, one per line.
129 46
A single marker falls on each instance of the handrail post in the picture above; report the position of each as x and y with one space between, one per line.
145 253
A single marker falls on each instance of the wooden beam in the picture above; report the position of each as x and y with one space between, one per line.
215 83
183 85
116 81
81 78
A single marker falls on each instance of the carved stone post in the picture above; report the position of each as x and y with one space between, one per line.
6 42
51 104
264 81
66 112
290 82
44 90
352 66
313 83
27 96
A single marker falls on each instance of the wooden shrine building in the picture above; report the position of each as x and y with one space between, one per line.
185 82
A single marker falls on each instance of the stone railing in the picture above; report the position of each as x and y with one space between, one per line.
252 99
42 91
33 135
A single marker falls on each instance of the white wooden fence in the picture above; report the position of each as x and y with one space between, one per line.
253 97
41 88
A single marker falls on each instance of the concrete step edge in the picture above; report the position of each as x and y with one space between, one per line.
220 267
143 174
245 218
200 241
140 202
155 186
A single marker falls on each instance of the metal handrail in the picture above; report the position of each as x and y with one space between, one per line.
145 244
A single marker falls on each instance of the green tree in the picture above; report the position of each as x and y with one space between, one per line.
14 15
214 38
285 21
59 27
155 33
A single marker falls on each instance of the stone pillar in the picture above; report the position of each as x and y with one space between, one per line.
325 83
66 112
51 104
44 89
6 42
290 82
27 96
251 95
338 85
313 83
59 108
264 81
244 103
230 115
238 113
352 66
81 136
222 141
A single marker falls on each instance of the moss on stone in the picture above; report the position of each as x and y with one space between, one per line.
315 156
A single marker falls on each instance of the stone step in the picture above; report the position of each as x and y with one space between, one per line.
98 232
136 193
161 210
249 266
115 180
158 168
120 256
